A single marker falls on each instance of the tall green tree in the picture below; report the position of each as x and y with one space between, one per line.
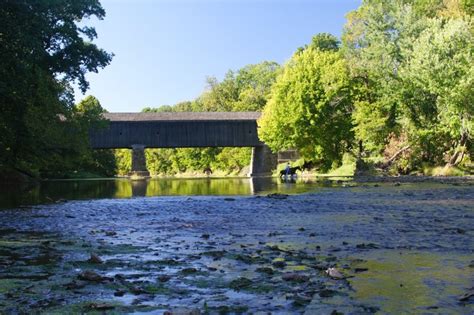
310 107
44 49
440 67
401 54
244 90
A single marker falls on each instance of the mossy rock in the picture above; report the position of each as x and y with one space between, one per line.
240 283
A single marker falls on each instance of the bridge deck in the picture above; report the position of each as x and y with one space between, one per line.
178 130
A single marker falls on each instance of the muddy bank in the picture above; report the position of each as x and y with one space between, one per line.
388 248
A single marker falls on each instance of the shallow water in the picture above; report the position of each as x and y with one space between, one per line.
404 248
53 190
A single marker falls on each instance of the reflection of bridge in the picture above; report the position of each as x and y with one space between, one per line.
183 130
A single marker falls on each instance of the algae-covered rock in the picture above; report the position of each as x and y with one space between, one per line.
295 277
335 274
92 276
182 311
94 259
240 283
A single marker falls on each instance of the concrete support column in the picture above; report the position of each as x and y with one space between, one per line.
139 161
263 161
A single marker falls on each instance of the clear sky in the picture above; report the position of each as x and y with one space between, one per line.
165 49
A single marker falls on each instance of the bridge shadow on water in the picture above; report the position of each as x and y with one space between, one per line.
54 191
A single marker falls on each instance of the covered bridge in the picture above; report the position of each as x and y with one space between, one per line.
183 130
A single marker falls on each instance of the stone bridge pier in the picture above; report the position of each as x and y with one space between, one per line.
263 161
139 161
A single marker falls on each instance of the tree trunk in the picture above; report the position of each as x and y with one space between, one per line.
395 156
455 160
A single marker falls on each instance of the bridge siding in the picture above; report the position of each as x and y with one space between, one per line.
175 134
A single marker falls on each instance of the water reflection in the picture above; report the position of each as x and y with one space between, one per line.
52 191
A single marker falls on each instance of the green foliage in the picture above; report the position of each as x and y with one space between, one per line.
441 65
44 49
247 89
123 161
310 107
411 62
325 42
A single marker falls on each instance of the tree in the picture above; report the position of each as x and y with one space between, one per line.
310 107
407 59
43 51
441 66
245 90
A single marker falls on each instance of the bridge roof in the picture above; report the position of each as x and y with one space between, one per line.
182 116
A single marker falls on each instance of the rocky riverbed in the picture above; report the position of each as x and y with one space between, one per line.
353 249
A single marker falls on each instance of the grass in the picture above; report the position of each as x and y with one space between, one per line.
445 171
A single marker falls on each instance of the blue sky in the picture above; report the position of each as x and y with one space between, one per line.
165 49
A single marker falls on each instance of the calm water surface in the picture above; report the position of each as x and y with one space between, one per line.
50 191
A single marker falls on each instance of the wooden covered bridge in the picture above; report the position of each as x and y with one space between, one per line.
138 131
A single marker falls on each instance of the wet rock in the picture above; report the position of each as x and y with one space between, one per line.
367 246
168 262
267 270
277 196
358 270
217 254
92 276
295 277
110 233
100 306
120 292
300 301
164 278
370 309
279 264
189 271
320 266
249 259
240 283
182 311
334 274
279 249
468 295
301 229
327 293
94 259
137 290
74 285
